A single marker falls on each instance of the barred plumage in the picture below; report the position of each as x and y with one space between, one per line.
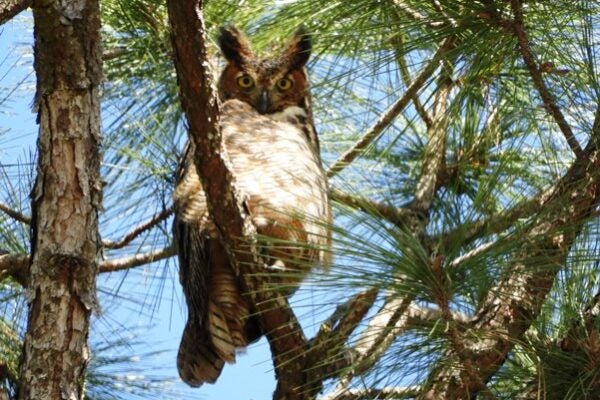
270 140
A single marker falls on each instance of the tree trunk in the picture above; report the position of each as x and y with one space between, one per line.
65 200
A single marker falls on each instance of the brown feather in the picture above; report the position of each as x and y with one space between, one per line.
277 166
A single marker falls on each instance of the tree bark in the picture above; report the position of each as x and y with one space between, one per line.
65 199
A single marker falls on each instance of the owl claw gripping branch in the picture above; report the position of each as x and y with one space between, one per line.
269 137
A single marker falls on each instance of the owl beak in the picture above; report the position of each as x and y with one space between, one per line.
264 103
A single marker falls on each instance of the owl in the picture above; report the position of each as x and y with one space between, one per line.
270 140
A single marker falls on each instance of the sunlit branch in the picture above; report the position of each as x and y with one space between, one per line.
438 7
10 8
158 218
376 393
389 322
405 9
390 213
17 216
391 113
538 81
435 150
136 260
326 350
472 253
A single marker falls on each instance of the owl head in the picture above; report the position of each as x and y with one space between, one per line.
268 84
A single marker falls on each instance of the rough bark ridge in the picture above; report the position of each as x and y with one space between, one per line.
65 200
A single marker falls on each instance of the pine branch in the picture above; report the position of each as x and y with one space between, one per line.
538 81
517 299
10 8
389 322
17 265
391 113
471 231
14 214
327 355
404 8
137 260
138 230
435 150
392 214
406 78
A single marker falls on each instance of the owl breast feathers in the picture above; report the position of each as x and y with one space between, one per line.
269 138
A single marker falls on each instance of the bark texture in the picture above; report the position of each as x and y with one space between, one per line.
65 200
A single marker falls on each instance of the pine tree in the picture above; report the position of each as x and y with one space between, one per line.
461 140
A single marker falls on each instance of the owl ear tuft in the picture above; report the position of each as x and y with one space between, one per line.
234 45
298 48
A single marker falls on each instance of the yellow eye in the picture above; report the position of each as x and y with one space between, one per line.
284 84
245 82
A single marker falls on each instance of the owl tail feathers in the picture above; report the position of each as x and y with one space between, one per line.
197 360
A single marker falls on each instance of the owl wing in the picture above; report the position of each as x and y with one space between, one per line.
218 320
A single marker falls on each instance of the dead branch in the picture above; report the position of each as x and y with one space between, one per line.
14 214
538 81
135 232
136 260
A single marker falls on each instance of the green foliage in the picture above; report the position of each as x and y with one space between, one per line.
502 148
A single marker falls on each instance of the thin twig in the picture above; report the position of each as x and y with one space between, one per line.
405 74
391 113
538 81
136 260
135 232
392 214
17 216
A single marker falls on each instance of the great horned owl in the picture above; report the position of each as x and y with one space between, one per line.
269 137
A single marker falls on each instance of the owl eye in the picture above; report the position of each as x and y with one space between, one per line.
284 84
245 82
